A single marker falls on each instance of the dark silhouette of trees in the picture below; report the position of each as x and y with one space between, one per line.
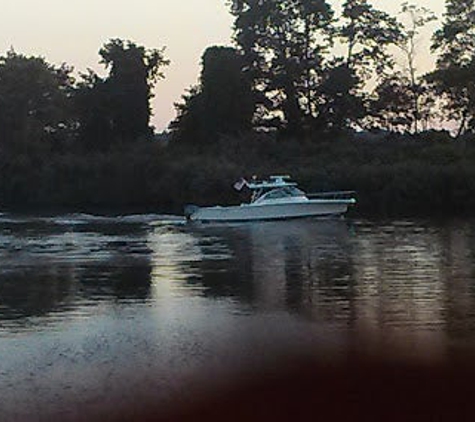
116 109
340 104
392 107
367 33
188 126
34 101
41 102
454 77
133 71
222 104
296 70
284 43
420 96
93 111
402 100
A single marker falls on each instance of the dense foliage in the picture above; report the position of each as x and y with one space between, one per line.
454 78
394 175
307 89
314 69
223 104
34 101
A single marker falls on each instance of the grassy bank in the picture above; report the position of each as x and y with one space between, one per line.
392 177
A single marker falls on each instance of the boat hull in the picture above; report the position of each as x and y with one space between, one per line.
250 212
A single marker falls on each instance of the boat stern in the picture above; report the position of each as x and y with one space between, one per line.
189 210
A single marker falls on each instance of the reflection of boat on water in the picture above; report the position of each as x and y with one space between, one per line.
276 199
300 265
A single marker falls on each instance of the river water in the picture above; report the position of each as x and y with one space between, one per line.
96 311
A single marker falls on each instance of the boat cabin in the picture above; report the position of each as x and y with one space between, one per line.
285 194
276 189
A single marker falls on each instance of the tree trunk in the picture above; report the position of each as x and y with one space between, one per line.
291 109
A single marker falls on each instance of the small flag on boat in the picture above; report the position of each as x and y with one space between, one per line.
240 184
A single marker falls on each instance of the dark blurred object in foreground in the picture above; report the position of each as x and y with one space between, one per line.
359 389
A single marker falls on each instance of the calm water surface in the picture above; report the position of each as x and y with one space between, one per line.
97 310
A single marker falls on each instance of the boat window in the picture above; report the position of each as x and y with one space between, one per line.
282 193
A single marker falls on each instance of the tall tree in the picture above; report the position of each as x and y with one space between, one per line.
415 18
284 42
391 108
340 105
133 72
223 103
93 110
402 100
116 108
454 77
34 99
367 32
392 105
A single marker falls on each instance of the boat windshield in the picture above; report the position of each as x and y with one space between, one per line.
286 192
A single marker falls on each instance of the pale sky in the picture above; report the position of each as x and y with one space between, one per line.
73 31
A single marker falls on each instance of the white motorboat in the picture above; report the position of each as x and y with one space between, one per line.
275 199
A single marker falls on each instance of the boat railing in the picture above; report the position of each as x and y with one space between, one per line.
341 194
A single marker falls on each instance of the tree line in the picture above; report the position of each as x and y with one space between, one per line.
45 106
299 68
300 92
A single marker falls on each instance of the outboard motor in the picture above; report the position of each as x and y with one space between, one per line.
189 210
